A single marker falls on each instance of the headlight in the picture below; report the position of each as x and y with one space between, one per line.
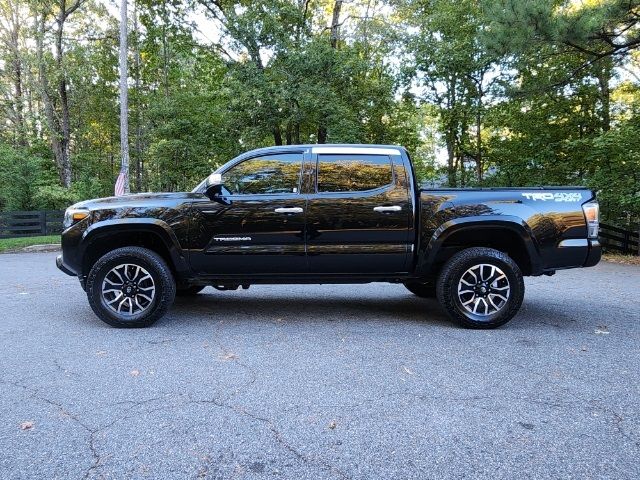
591 215
74 215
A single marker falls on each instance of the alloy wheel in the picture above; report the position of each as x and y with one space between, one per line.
128 289
483 290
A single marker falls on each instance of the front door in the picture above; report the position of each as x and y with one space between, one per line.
258 225
359 219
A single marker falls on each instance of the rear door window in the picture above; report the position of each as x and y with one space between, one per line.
353 173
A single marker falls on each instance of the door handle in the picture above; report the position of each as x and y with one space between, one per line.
289 210
392 208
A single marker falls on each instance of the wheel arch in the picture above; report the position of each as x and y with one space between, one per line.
154 234
510 235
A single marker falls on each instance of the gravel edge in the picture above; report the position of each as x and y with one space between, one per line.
48 247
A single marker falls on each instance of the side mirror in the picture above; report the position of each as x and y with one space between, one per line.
213 186
214 179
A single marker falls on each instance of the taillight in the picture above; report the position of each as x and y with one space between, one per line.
591 214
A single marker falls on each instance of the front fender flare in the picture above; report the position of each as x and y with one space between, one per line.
161 229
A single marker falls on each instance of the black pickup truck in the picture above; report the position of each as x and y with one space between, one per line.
326 214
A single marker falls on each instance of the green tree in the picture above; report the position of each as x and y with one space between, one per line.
456 71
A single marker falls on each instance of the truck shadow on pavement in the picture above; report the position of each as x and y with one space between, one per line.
242 307
297 309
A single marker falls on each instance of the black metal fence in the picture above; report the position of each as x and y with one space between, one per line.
30 224
618 239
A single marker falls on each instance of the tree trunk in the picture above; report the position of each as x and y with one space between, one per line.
322 134
50 115
479 140
296 133
58 122
277 135
335 23
604 75
124 97
65 125
451 156
304 6
461 141
165 51
20 135
450 130
21 131
289 133
334 38
138 120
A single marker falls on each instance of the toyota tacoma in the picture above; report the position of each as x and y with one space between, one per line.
326 214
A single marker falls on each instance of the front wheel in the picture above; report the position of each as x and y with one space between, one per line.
130 287
480 288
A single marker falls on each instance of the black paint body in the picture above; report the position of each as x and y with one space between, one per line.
335 237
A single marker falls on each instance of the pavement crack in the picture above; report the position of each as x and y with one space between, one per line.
35 394
97 457
65 370
231 357
618 423
277 435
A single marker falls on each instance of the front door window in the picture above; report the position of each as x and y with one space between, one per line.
268 175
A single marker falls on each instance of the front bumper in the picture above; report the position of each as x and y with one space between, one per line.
60 264
595 252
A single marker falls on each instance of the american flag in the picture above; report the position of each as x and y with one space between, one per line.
119 188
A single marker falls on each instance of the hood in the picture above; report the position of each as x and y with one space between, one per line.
137 200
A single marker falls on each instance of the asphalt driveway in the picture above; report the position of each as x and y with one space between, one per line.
295 382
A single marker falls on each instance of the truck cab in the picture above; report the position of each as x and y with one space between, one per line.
322 210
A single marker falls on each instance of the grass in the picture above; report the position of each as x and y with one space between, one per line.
9 244
624 259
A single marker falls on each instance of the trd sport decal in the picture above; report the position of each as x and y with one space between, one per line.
556 197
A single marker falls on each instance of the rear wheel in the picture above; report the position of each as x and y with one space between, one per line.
424 290
130 287
480 288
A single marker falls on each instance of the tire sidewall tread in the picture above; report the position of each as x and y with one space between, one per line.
155 265
447 284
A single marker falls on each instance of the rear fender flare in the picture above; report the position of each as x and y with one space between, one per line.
427 256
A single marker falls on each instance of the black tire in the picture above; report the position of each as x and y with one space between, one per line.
483 295
424 290
161 279
189 291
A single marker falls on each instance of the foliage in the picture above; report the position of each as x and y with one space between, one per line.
481 92
22 177
616 174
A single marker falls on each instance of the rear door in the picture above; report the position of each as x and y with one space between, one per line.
359 214
258 226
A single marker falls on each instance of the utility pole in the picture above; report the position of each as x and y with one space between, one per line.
124 98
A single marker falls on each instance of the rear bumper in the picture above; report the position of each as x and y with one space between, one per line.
60 264
594 254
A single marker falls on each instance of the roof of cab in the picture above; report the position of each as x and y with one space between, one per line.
347 148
